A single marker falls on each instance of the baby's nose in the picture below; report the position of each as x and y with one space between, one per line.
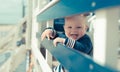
74 30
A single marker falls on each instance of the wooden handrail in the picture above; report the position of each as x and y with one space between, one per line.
73 60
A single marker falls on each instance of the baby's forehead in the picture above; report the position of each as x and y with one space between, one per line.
75 19
80 16
75 23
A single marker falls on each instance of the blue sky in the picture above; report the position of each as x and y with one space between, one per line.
10 11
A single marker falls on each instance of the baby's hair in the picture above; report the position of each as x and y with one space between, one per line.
77 16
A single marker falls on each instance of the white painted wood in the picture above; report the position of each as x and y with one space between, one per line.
47 6
37 67
36 52
35 4
43 63
49 58
50 23
4 41
41 26
12 35
48 54
106 36
29 24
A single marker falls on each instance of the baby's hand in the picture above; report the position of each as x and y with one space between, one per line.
47 33
58 40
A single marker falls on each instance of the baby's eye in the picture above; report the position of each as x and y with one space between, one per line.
69 27
79 27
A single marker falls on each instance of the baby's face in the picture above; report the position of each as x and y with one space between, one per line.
75 26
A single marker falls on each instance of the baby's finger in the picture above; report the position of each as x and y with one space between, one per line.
51 36
48 37
42 36
54 43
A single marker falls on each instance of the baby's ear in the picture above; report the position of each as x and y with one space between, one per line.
64 27
86 27
86 14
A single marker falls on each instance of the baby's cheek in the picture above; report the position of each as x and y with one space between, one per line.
67 34
81 33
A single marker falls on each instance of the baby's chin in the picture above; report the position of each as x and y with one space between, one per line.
74 38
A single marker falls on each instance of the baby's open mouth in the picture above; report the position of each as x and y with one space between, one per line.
74 36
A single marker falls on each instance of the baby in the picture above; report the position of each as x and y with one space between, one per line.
75 34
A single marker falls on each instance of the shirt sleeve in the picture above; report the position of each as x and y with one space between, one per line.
54 33
83 45
69 42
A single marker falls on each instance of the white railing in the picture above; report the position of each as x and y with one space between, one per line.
8 44
5 41
44 64
48 6
11 36
41 60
